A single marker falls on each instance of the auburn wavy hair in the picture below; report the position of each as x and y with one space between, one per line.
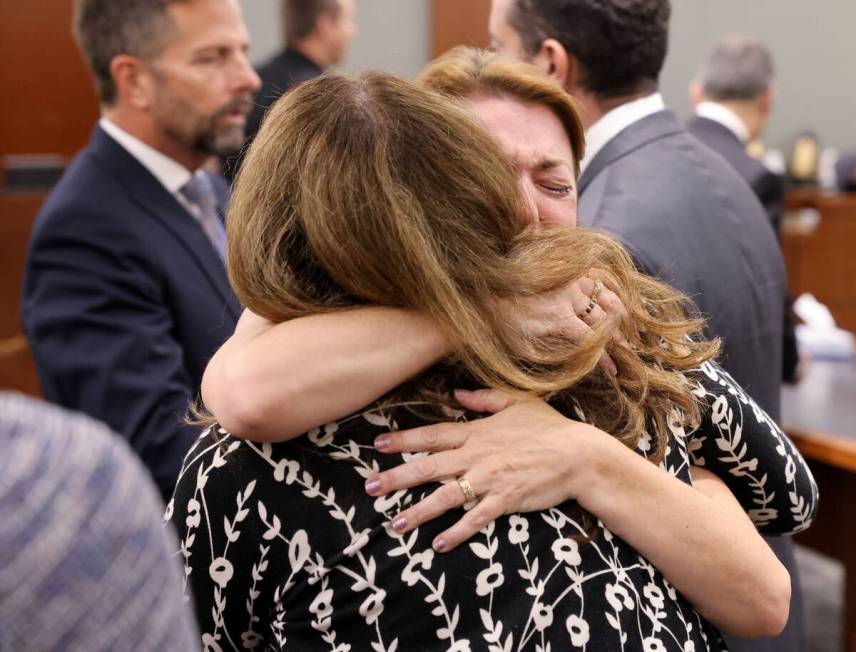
377 190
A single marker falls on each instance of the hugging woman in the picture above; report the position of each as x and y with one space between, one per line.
379 192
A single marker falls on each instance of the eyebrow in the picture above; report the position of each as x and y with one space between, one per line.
550 163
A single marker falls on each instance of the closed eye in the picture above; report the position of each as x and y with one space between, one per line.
559 190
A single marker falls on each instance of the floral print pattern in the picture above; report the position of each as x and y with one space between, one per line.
283 550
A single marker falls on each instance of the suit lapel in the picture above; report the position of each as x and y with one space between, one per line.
652 127
159 204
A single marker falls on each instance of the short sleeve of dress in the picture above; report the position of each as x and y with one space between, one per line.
743 446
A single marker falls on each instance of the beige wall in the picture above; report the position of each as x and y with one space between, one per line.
393 34
814 44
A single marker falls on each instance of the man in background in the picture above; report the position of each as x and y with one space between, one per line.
681 210
317 36
733 96
125 290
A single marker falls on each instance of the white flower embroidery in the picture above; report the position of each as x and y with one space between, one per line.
322 605
489 579
542 616
618 597
193 517
518 530
421 559
221 571
372 606
578 629
652 644
567 551
654 595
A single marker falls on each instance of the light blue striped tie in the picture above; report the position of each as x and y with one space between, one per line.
200 192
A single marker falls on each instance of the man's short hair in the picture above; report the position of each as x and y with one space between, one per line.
104 29
301 16
738 68
620 44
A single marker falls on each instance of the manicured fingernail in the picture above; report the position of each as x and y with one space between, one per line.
463 393
613 369
399 524
372 486
439 545
381 442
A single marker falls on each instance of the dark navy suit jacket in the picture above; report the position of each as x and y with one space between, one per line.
125 300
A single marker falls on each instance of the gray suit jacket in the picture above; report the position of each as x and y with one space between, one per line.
690 220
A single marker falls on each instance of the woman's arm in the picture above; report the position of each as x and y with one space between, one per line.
527 457
273 382
744 447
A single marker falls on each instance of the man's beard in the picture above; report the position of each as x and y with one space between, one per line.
204 134
223 140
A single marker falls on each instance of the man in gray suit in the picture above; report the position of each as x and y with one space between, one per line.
681 210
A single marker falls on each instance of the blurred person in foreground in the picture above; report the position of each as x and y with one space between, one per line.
733 97
125 291
683 212
311 543
85 562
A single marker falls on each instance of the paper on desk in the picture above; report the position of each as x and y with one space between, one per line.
818 333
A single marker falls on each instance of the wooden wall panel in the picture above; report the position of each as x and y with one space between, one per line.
17 213
458 22
48 102
821 260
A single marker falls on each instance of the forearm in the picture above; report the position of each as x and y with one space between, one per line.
276 382
707 548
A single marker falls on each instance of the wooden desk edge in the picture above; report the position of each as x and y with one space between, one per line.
823 447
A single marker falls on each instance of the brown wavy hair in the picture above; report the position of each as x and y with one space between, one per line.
380 191
466 73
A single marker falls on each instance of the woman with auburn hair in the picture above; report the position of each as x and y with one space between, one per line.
379 192
275 381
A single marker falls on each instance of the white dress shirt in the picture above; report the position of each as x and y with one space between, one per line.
724 116
616 121
171 174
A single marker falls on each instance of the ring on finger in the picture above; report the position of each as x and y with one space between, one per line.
469 493
591 306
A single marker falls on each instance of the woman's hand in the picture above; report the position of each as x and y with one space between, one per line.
572 310
523 458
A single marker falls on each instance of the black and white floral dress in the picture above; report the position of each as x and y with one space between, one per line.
283 550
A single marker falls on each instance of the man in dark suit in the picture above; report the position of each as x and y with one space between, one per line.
317 36
682 211
733 95
125 292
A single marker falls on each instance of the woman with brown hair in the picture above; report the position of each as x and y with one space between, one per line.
379 192
272 382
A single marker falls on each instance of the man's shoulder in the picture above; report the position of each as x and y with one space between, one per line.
87 196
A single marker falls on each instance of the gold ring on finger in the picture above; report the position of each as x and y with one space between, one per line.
467 488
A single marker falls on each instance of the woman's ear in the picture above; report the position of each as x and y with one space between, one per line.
555 60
